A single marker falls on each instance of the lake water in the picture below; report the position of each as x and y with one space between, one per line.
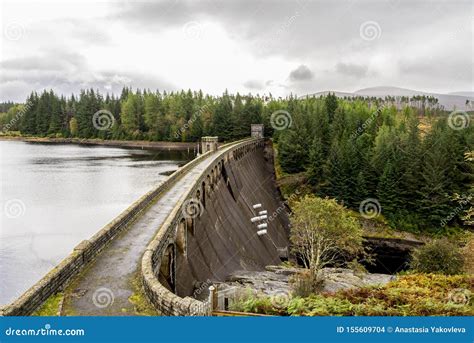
54 196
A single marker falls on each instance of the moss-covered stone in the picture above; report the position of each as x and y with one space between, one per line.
52 306
142 306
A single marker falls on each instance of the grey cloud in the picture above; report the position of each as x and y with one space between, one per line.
302 73
87 31
458 67
293 27
68 74
49 60
325 32
29 63
254 84
352 69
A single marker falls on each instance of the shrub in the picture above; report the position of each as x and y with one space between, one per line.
323 232
255 303
409 295
438 256
468 252
305 283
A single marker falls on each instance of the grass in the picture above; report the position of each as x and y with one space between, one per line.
468 252
52 306
139 300
408 295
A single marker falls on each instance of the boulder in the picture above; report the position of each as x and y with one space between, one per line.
275 280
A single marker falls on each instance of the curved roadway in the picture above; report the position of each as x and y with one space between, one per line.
111 278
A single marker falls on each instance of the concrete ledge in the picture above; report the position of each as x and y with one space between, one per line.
164 300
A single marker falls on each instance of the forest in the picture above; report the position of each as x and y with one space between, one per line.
418 168
402 153
144 115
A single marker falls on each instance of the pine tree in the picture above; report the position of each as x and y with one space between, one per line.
291 152
221 123
56 120
331 105
434 204
316 162
387 192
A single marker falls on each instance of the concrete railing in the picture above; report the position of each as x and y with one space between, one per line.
87 250
163 299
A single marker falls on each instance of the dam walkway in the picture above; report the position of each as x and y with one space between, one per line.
106 286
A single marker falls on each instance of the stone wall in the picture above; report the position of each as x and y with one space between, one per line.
242 155
85 252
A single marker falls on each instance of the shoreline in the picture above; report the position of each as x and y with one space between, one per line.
149 145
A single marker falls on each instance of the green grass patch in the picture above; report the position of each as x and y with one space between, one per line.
139 300
51 307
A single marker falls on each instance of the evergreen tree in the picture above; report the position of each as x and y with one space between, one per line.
291 152
316 162
222 125
331 105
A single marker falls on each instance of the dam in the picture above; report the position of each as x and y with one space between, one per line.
192 229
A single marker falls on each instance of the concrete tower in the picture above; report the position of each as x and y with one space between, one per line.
257 131
208 144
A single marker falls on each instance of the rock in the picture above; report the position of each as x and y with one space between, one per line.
275 280
336 279
283 270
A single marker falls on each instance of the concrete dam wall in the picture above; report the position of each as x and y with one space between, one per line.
209 233
223 238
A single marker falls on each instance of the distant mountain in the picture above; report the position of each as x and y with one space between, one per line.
386 90
468 94
449 101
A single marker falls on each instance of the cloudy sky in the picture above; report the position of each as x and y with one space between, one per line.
247 46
